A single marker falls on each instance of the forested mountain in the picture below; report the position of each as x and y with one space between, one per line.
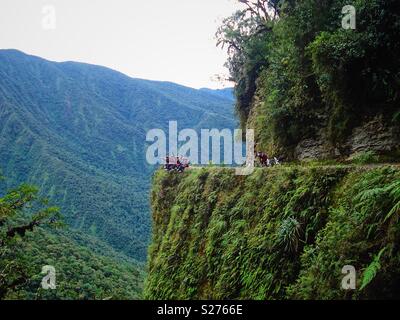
85 270
78 132
33 238
317 80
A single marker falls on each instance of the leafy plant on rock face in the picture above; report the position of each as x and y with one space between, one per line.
394 192
375 196
372 270
289 235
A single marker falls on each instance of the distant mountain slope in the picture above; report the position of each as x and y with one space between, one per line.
78 132
227 93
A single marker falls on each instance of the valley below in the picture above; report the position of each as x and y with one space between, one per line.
78 133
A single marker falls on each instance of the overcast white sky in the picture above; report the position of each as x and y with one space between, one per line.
171 40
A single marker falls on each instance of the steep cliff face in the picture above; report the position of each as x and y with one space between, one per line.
312 89
279 233
376 133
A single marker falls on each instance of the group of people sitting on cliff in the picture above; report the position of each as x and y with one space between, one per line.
265 161
178 164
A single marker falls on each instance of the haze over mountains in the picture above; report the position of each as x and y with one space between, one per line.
78 131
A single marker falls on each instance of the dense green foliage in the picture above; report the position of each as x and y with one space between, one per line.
21 211
79 133
82 272
279 233
307 73
84 268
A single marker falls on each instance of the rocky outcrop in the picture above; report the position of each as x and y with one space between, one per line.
375 135
314 148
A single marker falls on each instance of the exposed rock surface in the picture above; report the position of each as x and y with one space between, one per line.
374 135
310 149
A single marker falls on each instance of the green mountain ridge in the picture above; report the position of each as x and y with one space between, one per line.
78 132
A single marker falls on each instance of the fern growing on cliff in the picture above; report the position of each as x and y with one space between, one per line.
372 270
252 242
376 196
394 191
